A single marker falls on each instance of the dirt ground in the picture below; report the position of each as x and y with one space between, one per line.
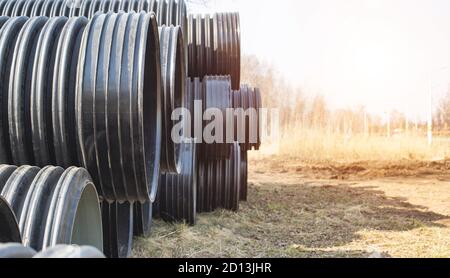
297 209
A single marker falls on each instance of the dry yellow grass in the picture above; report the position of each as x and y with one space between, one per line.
317 145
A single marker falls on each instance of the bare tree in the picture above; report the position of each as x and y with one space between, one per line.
442 116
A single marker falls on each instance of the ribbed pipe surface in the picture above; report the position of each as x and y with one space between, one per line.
173 91
248 124
214 46
9 228
178 192
53 206
117 229
118 105
219 182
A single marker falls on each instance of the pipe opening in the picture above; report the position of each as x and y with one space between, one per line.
152 109
87 229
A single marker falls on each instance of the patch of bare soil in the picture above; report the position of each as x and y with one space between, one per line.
362 169
297 209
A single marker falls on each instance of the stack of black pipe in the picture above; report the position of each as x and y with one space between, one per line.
214 46
93 84
173 74
213 70
177 196
51 205
92 93
247 129
85 93
104 115
248 98
168 11
219 182
222 167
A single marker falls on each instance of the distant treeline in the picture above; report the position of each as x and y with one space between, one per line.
298 109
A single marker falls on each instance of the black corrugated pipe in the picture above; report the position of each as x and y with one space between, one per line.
38 57
142 218
41 83
177 193
143 212
9 228
117 229
41 92
63 96
258 106
8 37
53 206
202 186
169 11
248 98
241 100
244 176
219 182
217 95
214 46
218 171
60 109
173 90
118 105
226 181
194 92
232 179
214 92
19 94
256 103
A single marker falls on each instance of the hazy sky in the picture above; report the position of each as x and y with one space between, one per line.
376 53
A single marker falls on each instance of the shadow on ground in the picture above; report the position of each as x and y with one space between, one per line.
292 218
314 215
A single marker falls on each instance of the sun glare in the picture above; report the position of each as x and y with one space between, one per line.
376 54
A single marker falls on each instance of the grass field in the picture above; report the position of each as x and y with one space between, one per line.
321 146
357 205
